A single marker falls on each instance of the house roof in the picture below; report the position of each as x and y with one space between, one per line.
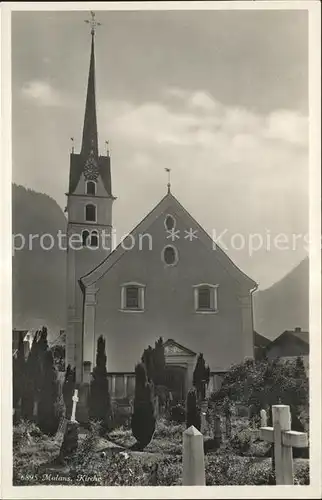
302 335
260 340
288 336
168 201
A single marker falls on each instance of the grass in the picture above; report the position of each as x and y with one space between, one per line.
159 464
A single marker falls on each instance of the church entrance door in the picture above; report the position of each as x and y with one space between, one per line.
175 381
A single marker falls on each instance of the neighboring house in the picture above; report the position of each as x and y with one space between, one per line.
290 344
167 280
260 345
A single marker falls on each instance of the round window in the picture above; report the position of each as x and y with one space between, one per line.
169 222
170 256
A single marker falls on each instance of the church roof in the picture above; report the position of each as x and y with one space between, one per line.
167 201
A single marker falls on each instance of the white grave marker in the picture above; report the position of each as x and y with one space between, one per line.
284 440
75 401
263 418
193 458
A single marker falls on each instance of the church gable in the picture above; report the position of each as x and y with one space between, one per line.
173 348
191 231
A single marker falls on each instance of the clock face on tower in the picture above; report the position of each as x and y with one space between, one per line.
91 170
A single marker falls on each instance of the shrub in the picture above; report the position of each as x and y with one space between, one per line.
24 432
193 412
264 383
169 472
143 419
99 398
302 472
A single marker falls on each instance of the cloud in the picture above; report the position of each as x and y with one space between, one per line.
42 93
231 168
201 121
287 126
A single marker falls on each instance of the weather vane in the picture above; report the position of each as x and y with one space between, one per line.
169 178
93 23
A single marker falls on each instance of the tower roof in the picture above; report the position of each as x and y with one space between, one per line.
88 161
90 137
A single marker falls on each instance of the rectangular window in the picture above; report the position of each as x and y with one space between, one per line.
205 298
132 297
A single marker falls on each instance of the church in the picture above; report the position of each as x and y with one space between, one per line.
167 279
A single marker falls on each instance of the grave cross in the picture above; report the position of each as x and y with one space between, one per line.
204 406
75 401
284 440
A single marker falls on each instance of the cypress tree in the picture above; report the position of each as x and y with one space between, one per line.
159 362
193 412
154 361
143 418
48 418
148 360
201 376
99 400
32 379
18 372
68 390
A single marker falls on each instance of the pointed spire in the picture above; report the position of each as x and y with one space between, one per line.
90 138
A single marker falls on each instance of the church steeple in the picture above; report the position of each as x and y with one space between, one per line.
88 163
90 137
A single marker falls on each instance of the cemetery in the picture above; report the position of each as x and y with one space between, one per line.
253 430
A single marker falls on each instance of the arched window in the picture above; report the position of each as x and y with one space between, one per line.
170 255
169 222
91 188
85 236
94 239
90 213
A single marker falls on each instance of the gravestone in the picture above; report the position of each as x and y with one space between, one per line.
70 442
75 400
193 458
284 440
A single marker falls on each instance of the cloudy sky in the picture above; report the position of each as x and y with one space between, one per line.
220 97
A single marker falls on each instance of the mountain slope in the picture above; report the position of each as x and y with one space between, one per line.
38 275
285 305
